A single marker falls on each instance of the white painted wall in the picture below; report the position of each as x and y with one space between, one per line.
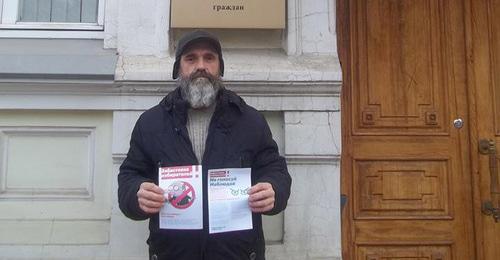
54 181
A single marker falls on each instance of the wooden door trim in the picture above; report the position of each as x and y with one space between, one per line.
473 130
344 49
480 74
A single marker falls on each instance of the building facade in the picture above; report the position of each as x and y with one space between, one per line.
72 85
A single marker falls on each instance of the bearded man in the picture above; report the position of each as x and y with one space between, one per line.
202 123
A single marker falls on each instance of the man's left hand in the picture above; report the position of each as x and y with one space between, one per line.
261 197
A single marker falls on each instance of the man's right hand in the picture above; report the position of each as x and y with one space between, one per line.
150 197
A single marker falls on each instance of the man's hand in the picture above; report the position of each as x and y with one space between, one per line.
261 197
150 197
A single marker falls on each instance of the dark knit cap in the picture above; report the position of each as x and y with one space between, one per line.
191 38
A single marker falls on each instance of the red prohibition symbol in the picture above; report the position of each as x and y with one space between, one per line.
181 194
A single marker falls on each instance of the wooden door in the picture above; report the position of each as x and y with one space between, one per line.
485 105
405 166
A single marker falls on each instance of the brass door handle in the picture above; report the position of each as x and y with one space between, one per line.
488 147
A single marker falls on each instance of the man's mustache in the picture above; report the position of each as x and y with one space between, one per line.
202 74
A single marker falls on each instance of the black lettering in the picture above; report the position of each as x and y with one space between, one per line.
219 8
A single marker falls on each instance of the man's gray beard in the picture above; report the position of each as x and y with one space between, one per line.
200 92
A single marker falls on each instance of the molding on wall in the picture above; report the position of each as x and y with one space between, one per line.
55 86
141 95
294 32
292 159
34 193
102 87
307 159
118 158
245 88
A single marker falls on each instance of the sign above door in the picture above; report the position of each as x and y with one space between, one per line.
242 14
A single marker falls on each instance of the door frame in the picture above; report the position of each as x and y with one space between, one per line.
344 52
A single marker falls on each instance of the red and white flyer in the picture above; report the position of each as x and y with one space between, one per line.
183 208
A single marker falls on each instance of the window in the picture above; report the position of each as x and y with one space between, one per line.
74 15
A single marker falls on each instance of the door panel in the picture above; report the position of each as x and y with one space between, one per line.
405 253
390 189
400 77
405 167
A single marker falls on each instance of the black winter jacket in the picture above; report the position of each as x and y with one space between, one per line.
238 136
